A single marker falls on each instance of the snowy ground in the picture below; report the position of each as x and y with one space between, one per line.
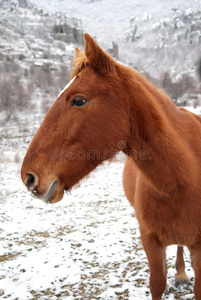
85 247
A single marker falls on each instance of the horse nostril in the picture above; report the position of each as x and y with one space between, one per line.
31 181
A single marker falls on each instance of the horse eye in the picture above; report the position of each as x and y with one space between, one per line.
78 102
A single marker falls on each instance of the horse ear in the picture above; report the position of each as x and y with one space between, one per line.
77 52
98 59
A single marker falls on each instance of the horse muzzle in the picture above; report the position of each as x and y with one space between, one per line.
48 193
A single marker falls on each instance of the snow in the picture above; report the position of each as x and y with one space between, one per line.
195 110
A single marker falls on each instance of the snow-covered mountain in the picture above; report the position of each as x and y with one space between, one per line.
154 36
110 19
36 50
150 24
38 38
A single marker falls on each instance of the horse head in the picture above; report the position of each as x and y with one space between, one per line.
85 126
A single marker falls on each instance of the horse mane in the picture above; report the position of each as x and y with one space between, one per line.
79 63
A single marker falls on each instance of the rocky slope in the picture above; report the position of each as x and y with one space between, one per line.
36 50
37 46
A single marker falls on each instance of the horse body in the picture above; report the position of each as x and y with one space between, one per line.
106 105
167 219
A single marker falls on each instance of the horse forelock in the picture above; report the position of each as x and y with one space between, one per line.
80 62
104 64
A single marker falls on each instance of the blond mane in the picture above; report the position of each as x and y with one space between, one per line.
79 63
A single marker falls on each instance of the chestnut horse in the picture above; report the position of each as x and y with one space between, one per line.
108 107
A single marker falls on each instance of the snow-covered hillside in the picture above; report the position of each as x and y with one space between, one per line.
110 20
36 50
154 36
37 44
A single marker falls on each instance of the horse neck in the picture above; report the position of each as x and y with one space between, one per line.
155 145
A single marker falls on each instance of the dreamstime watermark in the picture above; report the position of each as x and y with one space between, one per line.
94 154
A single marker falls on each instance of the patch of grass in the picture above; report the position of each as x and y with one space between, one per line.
9 256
